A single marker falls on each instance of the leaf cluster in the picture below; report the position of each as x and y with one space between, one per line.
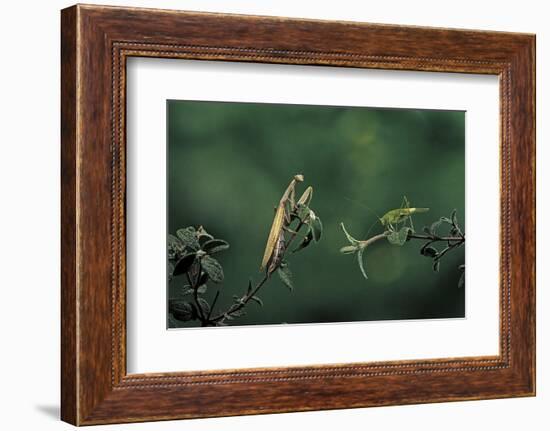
445 231
190 255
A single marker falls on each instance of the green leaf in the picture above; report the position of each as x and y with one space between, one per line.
238 313
428 251
175 247
317 228
177 294
303 212
351 239
257 300
201 233
360 251
349 249
205 306
188 236
238 300
462 279
170 271
305 242
454 218
182 310
215 245
184 264
286 276
187 290
434 226
213 268
404 234
393 238
399 237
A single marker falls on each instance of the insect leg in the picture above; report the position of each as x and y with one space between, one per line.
407 207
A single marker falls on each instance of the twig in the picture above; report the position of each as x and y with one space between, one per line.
213 305
436 238
373 239
196 298
458 240
245 299
242 302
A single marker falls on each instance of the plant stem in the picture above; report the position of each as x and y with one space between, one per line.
433 238
245 299
437 238
194 286
213 305
373 239
242 303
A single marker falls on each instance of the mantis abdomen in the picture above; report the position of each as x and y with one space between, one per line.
278 252
274 236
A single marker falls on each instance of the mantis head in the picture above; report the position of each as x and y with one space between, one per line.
299 177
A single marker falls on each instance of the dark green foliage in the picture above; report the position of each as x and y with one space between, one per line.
215 245
189 258
461 281
285 275
428 251
452 239
188 237
306 241
399 237
317 228
182 310
257 300
360 261
204 305
175 247
213 268
183 265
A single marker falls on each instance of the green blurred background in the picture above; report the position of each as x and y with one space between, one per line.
229 163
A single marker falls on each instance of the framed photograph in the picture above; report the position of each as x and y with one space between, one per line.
320 214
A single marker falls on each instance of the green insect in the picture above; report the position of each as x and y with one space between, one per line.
401 215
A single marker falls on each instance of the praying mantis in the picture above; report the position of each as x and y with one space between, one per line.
276 246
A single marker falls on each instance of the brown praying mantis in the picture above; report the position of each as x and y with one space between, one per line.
276 245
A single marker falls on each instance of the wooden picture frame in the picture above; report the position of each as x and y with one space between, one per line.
95 43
